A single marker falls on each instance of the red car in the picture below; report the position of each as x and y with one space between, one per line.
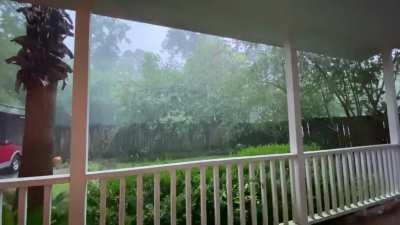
10 157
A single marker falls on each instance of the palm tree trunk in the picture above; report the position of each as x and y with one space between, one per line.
38 135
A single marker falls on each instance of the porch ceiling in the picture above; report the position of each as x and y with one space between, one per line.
353 29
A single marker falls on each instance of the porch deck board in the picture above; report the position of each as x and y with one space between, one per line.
385 214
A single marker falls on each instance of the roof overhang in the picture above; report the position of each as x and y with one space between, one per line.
354 29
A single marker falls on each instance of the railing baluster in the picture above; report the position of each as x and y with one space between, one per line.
364 176
173 196
352 178
156 199
1 207
389 175
103 202
275 217
317 185
47 200
346 180
253 197
241 195
139 199
292 189
392 183
121 205
203 196
339 178
263 182
397 152
389 168
375 169
188 196
325 185
22 206
359 178
217 216
370 175
310 198
397 168
380 176
382 173
229 200
394 171
386 173
285 214
332 182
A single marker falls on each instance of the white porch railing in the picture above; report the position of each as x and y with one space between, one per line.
273 170
338 181
22 185
344 180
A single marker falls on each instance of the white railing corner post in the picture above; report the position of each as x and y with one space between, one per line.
390 96
295 133
79 124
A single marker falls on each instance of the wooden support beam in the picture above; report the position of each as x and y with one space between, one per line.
390 96
295 133
79 126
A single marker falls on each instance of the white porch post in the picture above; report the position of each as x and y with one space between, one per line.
295 134
390 96
79 126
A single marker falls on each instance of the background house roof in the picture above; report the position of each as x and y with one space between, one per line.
14 110
354 29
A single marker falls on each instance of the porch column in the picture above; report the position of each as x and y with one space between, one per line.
390 96
79 125
295 133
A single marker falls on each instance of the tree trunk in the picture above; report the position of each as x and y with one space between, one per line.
38 135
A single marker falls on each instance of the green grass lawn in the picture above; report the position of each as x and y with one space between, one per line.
107 164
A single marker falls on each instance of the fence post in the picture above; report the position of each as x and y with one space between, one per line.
390 96
295 132
79 125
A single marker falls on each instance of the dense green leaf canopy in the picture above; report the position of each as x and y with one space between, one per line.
43 48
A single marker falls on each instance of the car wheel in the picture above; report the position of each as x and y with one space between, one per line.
15 164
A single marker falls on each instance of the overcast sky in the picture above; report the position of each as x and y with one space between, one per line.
143 36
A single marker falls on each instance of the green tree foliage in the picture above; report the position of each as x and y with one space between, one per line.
356 86
216 84
12 25
179 43
106 36
43 48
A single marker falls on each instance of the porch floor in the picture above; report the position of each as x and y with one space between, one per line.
386 214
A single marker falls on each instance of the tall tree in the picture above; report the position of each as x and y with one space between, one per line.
179 44
107 35
41 68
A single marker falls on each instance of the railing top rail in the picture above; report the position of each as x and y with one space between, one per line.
34 181
107 174
352 149
183 165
